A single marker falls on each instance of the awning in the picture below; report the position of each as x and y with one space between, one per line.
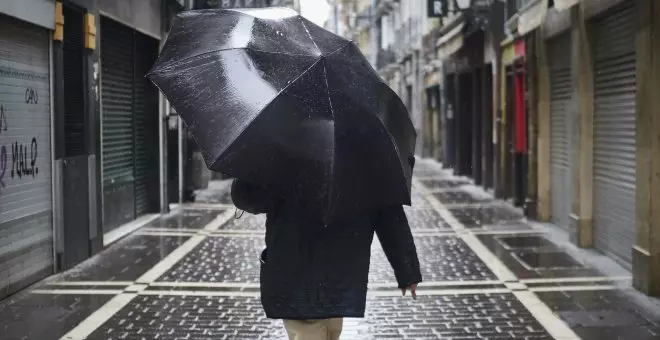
451 42
432 73
508 51
532 16
562 5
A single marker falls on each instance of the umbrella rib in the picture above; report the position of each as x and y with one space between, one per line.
340 48
331 192
309 34
377 77
200 55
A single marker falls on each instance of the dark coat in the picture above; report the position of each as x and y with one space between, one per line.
312 271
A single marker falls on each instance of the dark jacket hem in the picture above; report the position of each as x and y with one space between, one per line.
295 316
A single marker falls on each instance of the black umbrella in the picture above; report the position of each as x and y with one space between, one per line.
275 100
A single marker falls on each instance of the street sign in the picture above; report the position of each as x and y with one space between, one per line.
437 8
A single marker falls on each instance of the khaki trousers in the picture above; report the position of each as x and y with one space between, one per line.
324 329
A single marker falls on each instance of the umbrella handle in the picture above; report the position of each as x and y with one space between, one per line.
238 216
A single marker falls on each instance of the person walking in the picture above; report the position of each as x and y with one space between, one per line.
312 275
274 98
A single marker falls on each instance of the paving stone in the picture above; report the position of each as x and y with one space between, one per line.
602 318
418 200
195 317
428 170
426 219
526 242
236 259
536 262
459 197
246 222
185 219
447 307
477 216
604 314
618 333
215 196
220 259
502 226
547 260
37 316
441 259
191 317
126 260
444 183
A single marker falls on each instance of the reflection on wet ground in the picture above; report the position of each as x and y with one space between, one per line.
193 274
187 219
127 260
604 314
479 215
525 242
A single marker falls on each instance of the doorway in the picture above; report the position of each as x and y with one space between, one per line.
520 148
73 144
488 147
449 133
509 127
464 124
477 122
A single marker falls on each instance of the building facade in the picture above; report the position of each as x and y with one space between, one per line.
546 103
80 138
549 104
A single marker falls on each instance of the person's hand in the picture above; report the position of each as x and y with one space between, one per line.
413 291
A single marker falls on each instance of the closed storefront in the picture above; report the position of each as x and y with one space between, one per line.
614 132
129 126
26 223
146 128
561 121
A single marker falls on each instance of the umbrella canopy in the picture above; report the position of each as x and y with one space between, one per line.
275 100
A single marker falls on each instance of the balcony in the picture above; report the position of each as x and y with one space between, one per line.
363 19
384 7
384 58
513 6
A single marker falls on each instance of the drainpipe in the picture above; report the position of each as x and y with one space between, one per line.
336 15
374 33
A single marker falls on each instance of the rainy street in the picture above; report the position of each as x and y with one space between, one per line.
488 274
329 169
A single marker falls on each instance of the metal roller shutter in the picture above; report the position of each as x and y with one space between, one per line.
146 132
74 103
26 228
614 133
561 112
117 102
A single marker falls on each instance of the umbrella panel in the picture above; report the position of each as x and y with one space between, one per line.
276 100
289 148
220 93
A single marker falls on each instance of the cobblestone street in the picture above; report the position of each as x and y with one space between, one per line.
489 274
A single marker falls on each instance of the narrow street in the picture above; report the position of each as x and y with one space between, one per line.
489 274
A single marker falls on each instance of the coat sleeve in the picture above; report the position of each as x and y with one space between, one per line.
251 198
394 234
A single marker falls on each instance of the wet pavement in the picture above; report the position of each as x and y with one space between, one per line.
489 274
